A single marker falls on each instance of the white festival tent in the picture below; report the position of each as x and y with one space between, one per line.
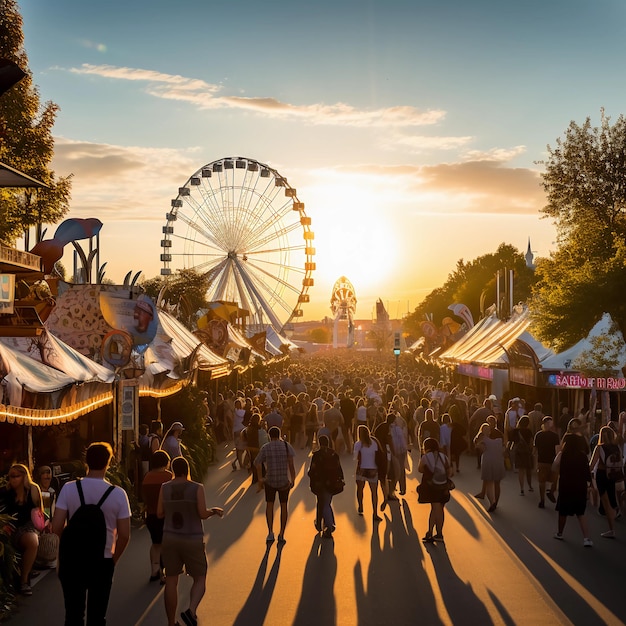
171 349
565 360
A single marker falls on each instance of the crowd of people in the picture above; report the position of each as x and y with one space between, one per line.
338 411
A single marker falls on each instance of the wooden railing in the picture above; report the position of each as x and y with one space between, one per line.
19 258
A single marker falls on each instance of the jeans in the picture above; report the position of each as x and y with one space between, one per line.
91 588
325 510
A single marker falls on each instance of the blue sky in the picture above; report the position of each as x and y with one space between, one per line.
410 129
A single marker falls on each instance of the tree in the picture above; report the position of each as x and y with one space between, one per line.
473 284
26 141
184 293
585 185
320 335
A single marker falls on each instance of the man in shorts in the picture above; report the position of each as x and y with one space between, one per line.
546 446
280 476
183 506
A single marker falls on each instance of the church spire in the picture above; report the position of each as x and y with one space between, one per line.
529 257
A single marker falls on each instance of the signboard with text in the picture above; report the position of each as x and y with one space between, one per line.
578 381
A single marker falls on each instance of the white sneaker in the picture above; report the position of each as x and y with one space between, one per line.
609 534
270 538
587 543
558 536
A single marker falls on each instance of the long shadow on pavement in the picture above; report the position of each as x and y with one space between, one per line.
317 605
395 588
255 609
462 604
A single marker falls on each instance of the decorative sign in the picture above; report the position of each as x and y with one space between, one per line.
577 381
7 293
475 371
127 406
136 317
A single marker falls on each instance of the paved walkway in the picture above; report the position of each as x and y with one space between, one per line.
503 568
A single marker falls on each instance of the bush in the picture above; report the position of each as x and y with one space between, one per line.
9 566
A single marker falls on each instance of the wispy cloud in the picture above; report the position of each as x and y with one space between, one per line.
206 96
420 143
122 182
481 186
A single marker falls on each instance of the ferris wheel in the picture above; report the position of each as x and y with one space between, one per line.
239 222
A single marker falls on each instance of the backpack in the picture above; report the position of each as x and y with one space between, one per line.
613 463
84 538
334 474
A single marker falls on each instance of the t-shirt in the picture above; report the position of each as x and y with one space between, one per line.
151 486
276 454
368 455
437 464
114 507
171 445
545 442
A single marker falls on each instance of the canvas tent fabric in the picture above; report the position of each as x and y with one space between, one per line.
565 360
486 343
21 371
173 344
10 177
60 356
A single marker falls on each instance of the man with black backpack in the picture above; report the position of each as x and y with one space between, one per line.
97 533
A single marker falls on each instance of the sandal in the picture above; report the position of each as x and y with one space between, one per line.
188 618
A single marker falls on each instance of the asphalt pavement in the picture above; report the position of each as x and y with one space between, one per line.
499 568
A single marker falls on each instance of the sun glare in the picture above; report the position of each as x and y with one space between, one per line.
353 237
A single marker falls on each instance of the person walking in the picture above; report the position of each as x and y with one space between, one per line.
150 489
277 455
522 438
608 464
365 450
171 440
182 506
574 482
326 476
90 584
435 469
492 464
546 444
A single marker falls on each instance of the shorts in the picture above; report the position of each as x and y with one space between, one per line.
177 552
270 493
154 525
545 473
367 475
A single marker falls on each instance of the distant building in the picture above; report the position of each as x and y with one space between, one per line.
530 257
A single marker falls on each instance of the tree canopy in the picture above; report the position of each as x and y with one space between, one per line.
585 185
473 283
184 293
26 141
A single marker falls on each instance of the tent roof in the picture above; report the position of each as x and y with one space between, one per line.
174 342
10 177
61 356
487 342
23 371
564 360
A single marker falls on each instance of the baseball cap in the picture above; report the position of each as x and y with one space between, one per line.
177 425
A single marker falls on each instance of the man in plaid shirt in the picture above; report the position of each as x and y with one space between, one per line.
280 476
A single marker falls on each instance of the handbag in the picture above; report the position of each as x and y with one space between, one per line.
38 519
48 548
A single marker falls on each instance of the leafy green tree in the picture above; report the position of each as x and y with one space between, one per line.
473 283
585 185
184 293
319 335
26 141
